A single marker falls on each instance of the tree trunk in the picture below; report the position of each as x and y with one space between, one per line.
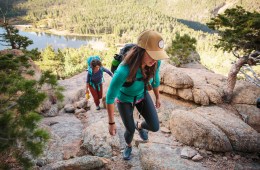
232 77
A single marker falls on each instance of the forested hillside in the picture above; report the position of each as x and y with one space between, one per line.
121 21
203 10
115 16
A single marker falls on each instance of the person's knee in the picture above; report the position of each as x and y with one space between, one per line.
131 131
154 127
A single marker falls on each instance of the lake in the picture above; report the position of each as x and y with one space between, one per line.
41 40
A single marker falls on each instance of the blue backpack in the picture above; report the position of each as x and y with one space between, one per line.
89 59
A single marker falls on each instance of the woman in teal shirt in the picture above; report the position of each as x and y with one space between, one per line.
138 71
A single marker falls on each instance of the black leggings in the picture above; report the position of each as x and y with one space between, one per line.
146 108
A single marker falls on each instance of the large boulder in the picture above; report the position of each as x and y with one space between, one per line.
215 129
194 130
192 84
241 136
98 141
250 114
245 93
171 76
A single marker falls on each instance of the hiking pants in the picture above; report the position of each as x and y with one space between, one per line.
146 108
96 94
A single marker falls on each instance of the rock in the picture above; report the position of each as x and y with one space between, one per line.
52 151
200 96
65 139
98 141
53 111
241 136
236 157
188 153
197 157
79 163
245 93
209 152
165 130
69 108
206 84
250 114
167 89
160 156
203 89
173 77
74 88
248 166
83 103
185 94
194 130
78 111
105 161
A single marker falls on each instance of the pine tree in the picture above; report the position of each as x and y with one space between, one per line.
239 32
181 49
20 137
12 38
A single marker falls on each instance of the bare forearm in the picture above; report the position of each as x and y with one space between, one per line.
110 111
156 92
111 120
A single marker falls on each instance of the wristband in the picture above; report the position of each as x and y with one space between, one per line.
111 123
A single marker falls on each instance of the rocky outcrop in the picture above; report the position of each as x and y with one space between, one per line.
207 128
204 87
214 129
198 85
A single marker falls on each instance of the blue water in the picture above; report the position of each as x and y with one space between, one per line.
41 40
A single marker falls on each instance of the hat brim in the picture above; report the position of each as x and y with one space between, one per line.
158 55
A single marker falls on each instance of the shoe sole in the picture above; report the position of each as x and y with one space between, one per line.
127 159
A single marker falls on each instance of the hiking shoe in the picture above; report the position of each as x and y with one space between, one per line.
143 133
98 108
127 153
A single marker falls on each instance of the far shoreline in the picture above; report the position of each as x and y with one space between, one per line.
29 28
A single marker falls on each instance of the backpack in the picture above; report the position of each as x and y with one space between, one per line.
118 58
89 59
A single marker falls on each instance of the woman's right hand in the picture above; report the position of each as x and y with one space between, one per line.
112 129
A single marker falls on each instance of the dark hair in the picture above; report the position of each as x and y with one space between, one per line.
95 63
134 59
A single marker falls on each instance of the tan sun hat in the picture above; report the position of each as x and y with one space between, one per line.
153 43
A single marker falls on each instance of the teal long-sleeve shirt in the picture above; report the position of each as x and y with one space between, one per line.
127 94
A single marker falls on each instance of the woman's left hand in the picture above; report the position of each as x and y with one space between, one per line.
157 103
